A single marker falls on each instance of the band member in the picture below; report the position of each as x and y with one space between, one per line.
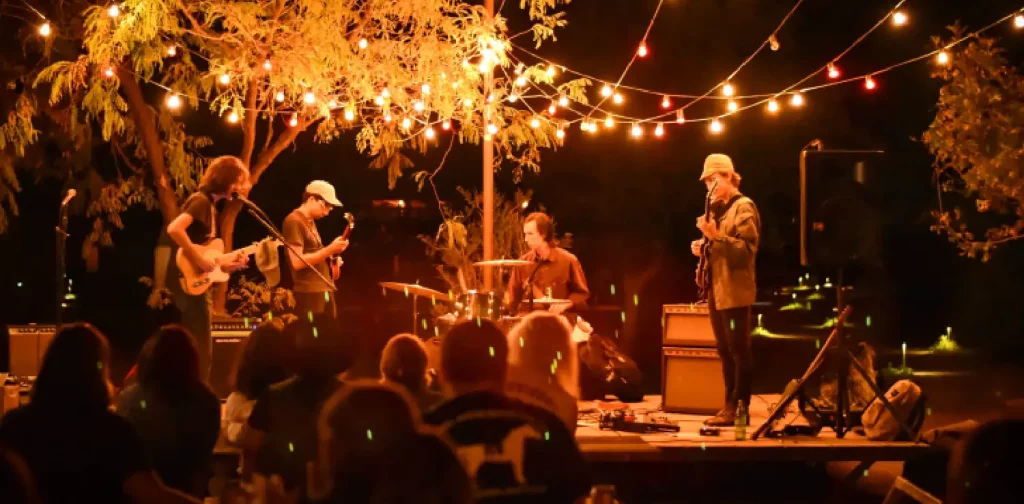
196 225
733 234
312 294
555 272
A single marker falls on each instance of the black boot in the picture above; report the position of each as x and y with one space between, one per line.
724 418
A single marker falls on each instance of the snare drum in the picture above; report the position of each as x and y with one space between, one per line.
476 304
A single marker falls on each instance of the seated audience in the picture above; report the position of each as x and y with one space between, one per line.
174 412
372 449
75 447
542 366
261 363
512 451
404 362
981 468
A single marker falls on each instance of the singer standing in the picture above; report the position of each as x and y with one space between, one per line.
312 294
554 272
195 226
733 233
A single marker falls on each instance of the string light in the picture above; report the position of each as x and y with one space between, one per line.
172 51
425 89
609 122
869 83
728 90
266 65
44 29
520 81
535 123
309 98
109 72
773 106
560 134
617 98
899 18
797 100
114 10
387 116
406 123
732 106
417 106
384 93
224 79
446 125
468 102
833 71
349 114
659 130
173 101
233 117
294 120
512 98
637 131
680 117
279 96
716 126
642 50
773 42
379 101
550 71
429 133
563 101
1018 20
584 126
552 108
332 104
363 43
606 91
492 129
942 57
666 103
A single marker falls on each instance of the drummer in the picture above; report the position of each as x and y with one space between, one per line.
554 273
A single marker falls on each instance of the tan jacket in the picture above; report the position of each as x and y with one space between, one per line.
733 254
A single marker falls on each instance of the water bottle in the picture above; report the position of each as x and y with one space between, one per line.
741 421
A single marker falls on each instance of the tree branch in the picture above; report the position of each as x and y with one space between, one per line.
268 155
249 124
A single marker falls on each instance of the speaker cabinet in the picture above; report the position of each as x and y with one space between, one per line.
27 345
686 325
227 347
840 207
691 380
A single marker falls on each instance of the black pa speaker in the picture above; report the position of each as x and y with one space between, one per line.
840 207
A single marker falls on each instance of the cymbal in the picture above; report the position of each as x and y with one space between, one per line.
413 289
502 262
548 301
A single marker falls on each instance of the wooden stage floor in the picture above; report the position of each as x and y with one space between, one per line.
689 446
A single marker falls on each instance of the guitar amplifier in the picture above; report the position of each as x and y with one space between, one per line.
26 345
229 337
686 325
691 380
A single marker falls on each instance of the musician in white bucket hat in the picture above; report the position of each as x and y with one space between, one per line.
728 251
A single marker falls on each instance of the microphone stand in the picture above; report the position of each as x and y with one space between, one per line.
529 282
262 218
61 234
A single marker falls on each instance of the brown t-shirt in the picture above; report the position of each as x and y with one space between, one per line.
560 273
200 206
300 231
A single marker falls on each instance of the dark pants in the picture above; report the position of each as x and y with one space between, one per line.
732 334
195 316
317 303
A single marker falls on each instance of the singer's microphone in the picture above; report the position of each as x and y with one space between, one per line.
67 197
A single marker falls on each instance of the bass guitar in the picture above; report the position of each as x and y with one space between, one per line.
704 265
194 280
334 262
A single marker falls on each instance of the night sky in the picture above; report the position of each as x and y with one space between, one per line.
624 200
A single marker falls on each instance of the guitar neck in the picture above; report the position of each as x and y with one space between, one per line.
348 231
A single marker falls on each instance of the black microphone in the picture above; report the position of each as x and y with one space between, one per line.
68 197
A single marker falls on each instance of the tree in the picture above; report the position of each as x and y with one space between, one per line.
387 72
977 138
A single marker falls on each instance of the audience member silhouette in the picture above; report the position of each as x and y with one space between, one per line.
404 362
543 366
262 362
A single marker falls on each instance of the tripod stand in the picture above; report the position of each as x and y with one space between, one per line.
838 344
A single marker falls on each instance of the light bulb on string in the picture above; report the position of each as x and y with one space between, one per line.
584 125
642 50
732 106
468 102
552 108
512 98
609 122
387 116
446 125
233 117
332 104
535 123
617 98
385 93
833 71
899 18
379 101
172 51
606 91
942 58
636 131
797 99
44 29
869 83
592 127
490 98
173 101
550 71
406 123
666 102
560 134
109 72
349 114
492 129
114 10
309 98
1018 20
417 106
659 130
425 89
429 133
279 96
520 81
715 126
294 120
267 65
773 42
773 106
563 101
224 79
728 90
363 43
680 117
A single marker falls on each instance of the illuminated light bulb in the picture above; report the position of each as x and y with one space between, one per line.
773 43
173 101
899 18
1018 20
446 125
560 134
387 117
797 100
349 114
233 117
385 93
942 58
659 130
114 11
492 129
468 102
379 100
490 98
309 98
429 133
535 123
520 81
512 98
279 96
519 68
833 71
563 101
593 127
417 106
484 67
363 43
109 72
869 83
550 71
267 65
642 50
716 126
584 126
172 51
609 122
773 106
465 64
617 98
606 91
665 102
680 117
224 79
44 29
728 90
732 106
552 108
332 104
637 131
425 89
294 120
406 123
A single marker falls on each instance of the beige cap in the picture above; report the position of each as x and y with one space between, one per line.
324 190
717 163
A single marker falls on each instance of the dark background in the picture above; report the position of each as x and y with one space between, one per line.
622 199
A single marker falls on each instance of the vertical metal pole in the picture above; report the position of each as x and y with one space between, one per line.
488 231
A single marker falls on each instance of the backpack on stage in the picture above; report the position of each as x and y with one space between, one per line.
604 369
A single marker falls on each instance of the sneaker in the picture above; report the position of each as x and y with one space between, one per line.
724 418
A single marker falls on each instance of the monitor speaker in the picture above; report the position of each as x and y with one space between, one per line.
229 337
26 346
691 380
686 325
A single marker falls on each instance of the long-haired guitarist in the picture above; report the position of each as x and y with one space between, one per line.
195 226
731 235
300 231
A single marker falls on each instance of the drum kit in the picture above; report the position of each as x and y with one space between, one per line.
471 305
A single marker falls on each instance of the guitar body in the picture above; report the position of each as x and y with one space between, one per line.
704 266
195 281
334 262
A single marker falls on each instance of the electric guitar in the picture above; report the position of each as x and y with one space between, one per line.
334 262
704 266
194 280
